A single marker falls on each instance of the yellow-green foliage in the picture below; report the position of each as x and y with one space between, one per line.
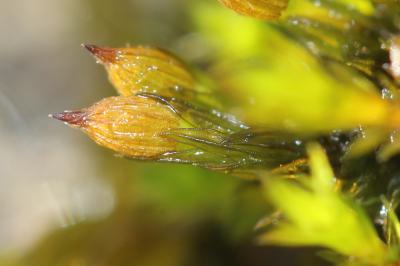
323 72
277 83
315 214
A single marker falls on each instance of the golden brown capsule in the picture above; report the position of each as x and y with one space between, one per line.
132 126
143 69
262 9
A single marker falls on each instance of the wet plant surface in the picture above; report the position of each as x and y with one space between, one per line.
269 125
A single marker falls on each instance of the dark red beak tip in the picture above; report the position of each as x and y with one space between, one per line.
76 118
90 47
104 54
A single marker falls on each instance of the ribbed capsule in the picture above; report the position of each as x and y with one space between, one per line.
262 9
132 126
143 69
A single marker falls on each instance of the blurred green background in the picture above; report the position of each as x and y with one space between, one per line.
66 201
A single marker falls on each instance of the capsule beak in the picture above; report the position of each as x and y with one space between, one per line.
104 55
73 118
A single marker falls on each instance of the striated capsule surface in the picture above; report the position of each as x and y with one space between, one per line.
262 9
132 126
143 69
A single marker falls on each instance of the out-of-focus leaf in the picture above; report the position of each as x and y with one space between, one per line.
390 148
310 8
265 94
391 222
212 23
368 140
